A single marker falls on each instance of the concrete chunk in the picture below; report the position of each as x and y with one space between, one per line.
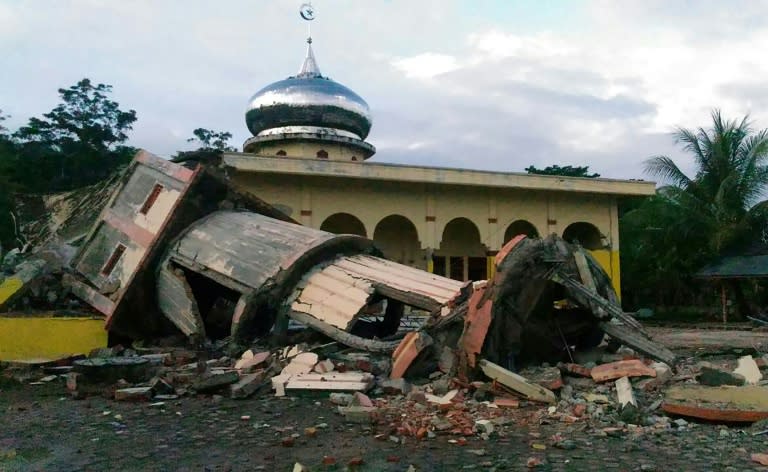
714 377
748 369
359 414
214 381
136 394
247 385
624 392
616 370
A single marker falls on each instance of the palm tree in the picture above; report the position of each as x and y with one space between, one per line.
694 219
723 199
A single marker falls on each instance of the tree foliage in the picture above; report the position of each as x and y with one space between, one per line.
77 143
566 171
7 232
691 220
209 140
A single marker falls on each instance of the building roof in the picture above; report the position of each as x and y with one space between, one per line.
749 262
435 175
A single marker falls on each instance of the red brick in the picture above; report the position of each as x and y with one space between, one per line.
576 370
616 370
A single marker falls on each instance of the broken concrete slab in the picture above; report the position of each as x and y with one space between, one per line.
547 377
135 394
714 377
214 381
398 386
340 398
247 385
663 372
324 366
516 382
624 392
616 370
747 368
727 404
302 363
251 360
361 399
359 414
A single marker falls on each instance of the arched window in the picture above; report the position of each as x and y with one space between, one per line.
344 223
585 234
520 227
322 154
354 158
281 153
396 236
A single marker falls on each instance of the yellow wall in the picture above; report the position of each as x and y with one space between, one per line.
430 207
26 338
8 287
609 260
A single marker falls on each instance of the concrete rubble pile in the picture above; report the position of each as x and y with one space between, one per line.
255 303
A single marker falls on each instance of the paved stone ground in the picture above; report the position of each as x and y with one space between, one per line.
43 429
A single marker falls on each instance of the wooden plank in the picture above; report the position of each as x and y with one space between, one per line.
584 271
638 342
624 392
517 383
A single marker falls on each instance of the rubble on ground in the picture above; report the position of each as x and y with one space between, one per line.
273 308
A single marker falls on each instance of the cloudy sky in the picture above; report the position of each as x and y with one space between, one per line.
485 84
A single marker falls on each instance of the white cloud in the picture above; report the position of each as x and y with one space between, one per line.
602 88
426 66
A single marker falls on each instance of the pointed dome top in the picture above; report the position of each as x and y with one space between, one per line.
309 67
308 99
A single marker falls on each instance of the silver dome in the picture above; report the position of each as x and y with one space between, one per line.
308 99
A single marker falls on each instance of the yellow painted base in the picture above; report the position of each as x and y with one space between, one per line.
609 260
48 338
9 286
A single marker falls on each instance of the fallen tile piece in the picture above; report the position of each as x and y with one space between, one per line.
616 370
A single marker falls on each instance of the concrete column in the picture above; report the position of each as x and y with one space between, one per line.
306 206
493 242
432 239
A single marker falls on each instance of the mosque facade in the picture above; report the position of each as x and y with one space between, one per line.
308 157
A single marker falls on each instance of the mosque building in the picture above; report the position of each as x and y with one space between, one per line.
308 157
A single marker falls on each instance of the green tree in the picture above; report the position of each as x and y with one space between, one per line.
7 153
566 171
77 143
209 140
693 219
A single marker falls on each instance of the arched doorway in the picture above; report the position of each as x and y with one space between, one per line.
520 227
344 223
585 234
397 238
462 255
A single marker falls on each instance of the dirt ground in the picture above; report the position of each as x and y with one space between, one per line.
42 428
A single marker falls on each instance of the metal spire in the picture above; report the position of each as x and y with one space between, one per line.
309 67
